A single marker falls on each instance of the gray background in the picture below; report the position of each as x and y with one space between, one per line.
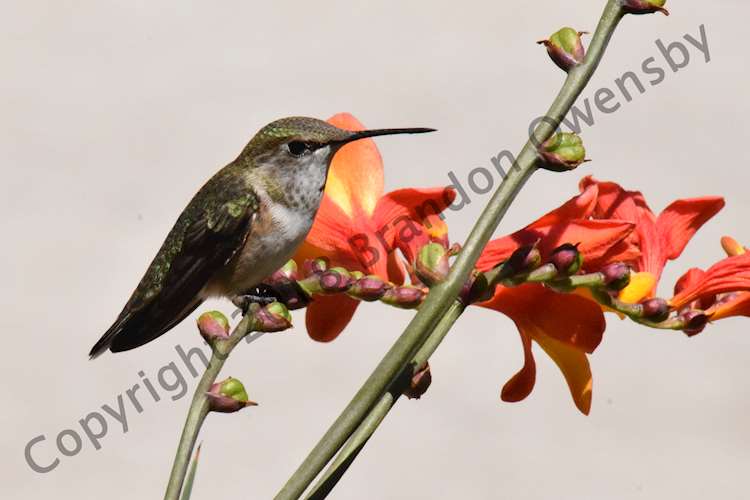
113 113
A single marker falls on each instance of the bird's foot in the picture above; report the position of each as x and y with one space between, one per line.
263 294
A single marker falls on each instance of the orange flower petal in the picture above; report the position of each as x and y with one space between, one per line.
660 239
355 180
728 275
680 220
328 315
578 207
522 383
566 325
735 305
596 238
614 202
331 229
401 217
691 277
575 368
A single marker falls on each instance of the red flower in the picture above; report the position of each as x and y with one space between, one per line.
566 326
722 290
601 241
660 238
361 229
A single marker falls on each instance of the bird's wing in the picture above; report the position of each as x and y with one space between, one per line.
212 229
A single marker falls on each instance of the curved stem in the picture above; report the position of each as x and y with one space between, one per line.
199 406
367 428
440 297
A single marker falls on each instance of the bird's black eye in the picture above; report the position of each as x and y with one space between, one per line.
298 148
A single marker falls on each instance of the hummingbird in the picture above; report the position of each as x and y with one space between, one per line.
243 224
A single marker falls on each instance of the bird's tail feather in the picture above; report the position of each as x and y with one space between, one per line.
134 330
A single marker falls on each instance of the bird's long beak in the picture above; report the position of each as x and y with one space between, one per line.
355 136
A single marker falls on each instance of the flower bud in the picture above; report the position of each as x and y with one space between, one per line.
694 322
288 272
315 266
644 6
432 264
475 289
419 383
656 310
567 259
732 247
565 48
335 280
405 297
274 317
524 259
213 325
369 288
616 276
228 396
562 152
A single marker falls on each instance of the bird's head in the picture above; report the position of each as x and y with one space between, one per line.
297 145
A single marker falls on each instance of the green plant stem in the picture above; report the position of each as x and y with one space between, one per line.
199 406
441 296
367 428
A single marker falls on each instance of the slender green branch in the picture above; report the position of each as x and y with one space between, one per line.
367 428
199 406
441 297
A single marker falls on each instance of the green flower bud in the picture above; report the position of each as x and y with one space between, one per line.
274 317
562 152
565 48
432 264
644 6
288 272
228 396
315 266
213 325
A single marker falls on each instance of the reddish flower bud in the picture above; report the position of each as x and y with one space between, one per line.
524 259
405 297
562 152
213 325
567 259
656 310
644 6
274 317
695 322
732 247
335 280
432 264
228 396
369 288
616 276
315 266
565 48
419 383
287 273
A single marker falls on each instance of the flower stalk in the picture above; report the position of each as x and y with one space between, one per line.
443 296
256 319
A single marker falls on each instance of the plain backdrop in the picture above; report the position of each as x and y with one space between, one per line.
112 114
